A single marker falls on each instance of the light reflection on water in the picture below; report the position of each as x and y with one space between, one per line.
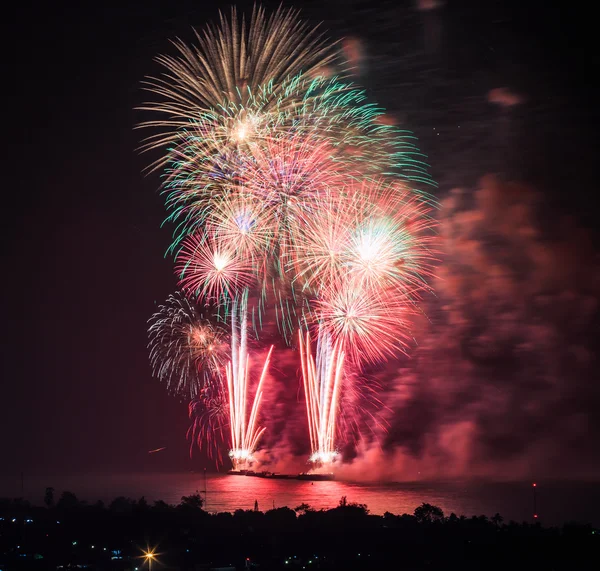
557 502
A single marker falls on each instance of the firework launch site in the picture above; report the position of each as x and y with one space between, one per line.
316 476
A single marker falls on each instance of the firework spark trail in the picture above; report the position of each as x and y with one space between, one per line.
374 231
245 434
209 416
186 350
288 176
231 61
239 223
210 269
322 383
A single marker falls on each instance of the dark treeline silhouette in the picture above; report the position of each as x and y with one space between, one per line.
68 533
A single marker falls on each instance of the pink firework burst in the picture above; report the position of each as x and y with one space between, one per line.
375 233
238 222
321 254
390 239
208 413
288 176
209 269
371 324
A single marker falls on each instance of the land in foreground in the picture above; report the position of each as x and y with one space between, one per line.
127 534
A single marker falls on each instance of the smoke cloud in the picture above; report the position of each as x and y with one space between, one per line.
502 382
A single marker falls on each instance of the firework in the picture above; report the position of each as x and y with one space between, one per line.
289 183
245 432
390 240
336 398
209 269
186 350
238 221
321 254
371 324
231 62
322 382
287 176
372 233
208 413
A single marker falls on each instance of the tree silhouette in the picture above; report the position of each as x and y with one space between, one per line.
303 508
497 519
426 513
193 501
49 497
161 506
121 505
68 501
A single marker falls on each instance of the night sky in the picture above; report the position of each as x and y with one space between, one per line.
509 375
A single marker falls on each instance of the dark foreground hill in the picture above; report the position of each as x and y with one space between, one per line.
72 535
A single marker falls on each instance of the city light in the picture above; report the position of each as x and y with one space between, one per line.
149 556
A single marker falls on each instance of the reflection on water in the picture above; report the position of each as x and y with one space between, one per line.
557 502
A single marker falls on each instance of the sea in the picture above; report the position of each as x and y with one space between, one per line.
555 502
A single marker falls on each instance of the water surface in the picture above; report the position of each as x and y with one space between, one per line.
557 502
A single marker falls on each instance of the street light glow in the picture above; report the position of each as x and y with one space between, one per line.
149 555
